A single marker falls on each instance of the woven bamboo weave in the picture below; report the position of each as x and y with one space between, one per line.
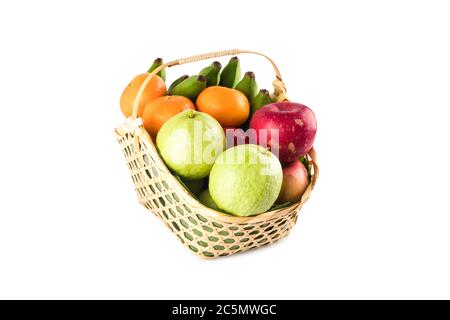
206 232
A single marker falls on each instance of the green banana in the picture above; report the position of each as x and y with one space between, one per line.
231 73
212 73
190 87
261 99
176 82
248 86
307 165
156 64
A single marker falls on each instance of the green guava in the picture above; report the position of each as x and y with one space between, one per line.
207 200
190 142
246 180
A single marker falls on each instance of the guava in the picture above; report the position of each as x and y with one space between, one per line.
246 180
205 198
190 142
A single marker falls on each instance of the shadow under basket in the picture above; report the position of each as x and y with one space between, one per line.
205 232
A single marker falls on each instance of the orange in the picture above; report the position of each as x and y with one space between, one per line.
154 89
158 111
228 106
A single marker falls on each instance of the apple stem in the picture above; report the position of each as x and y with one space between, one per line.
191 114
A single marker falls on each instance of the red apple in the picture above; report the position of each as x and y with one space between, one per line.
295 182
290 129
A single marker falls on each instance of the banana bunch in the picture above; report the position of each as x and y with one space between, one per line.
213 75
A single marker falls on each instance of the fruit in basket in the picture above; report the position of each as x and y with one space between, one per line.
196 186
158 111
261 99
156 64
248 86
190 142
155 88
176 82
307 165
190 88
235 137
207 200
211 73
228 106
290 127
245 180
238 136
295 182
231 73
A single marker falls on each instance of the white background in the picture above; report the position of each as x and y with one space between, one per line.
376 73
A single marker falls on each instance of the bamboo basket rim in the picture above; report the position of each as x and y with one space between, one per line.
134 126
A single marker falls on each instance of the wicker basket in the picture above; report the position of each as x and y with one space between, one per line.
206 232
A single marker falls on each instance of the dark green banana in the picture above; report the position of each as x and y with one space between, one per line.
248 86
176 82
307 165
261 99
231 73
156 64
212 73
190 87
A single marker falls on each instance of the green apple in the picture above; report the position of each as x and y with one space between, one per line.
190 142
207 200
246 180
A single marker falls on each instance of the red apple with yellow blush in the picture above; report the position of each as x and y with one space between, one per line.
287 128
295 182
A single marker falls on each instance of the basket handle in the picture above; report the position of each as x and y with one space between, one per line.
278 85
313 155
